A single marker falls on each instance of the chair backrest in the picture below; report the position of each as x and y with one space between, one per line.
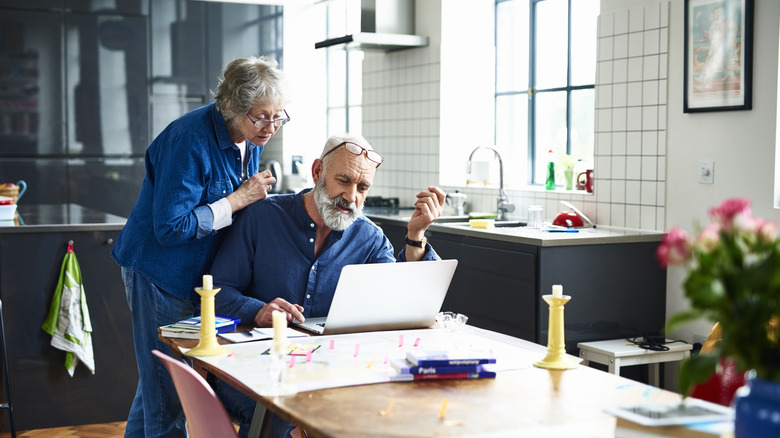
206 416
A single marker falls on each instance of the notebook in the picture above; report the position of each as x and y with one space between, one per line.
385 296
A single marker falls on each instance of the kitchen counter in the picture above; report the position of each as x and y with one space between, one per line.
62 217
459 226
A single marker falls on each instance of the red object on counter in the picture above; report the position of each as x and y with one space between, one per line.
568 219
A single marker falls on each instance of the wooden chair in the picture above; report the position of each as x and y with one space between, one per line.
205 414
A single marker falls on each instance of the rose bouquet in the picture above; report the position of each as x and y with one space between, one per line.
733 279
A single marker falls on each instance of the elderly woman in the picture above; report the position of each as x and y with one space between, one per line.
200 170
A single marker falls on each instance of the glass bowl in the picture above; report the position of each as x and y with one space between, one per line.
451 321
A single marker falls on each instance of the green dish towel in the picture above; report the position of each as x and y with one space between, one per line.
68 320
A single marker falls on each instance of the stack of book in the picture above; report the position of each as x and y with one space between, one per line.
432 365
190 328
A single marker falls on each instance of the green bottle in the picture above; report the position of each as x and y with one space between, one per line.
550 184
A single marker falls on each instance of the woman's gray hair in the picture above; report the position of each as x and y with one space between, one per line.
246 82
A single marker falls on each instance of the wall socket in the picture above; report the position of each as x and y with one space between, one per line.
706 172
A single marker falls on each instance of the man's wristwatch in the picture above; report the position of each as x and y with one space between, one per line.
417 243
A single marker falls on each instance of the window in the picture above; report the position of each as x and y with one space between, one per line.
545 76
344 72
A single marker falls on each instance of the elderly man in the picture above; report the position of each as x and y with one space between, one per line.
286 253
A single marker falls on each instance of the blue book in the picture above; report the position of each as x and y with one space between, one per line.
449 358
405 367
190 328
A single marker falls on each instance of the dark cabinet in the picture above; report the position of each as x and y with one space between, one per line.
44 395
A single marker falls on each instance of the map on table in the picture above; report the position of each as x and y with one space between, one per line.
321 362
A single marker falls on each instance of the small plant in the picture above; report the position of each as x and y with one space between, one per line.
733 279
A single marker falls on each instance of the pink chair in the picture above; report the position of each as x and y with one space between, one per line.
206 417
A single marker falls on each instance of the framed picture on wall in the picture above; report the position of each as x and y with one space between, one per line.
718 55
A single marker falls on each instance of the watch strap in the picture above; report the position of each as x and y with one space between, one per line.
417 243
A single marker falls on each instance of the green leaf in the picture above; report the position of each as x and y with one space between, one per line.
696 369
682 318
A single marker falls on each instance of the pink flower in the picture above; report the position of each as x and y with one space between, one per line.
725 213
675 249
767 230
708 239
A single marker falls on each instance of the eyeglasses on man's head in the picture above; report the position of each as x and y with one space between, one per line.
374 156
262 123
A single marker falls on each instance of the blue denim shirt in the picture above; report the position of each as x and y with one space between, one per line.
266 264
168 236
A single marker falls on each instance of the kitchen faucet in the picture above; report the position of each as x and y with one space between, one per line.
504 206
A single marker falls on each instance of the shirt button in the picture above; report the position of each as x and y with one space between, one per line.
311 240
308 296
224 191
312 268
311 225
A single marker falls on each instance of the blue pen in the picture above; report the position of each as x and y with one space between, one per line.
562 231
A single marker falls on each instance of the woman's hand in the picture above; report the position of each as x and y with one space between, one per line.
253 189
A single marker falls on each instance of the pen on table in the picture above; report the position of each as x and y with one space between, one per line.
247 333
555 230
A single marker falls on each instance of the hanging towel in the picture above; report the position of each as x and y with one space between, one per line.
68 320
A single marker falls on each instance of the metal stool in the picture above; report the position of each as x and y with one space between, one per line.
7 405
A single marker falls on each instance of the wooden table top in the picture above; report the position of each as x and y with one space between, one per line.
527 402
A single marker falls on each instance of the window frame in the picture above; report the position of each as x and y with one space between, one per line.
532 92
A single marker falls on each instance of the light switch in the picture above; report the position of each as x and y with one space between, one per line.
706 172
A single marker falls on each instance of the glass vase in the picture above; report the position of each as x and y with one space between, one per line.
757 407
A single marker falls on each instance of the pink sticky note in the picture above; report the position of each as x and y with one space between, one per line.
332 344
292 361
387 358
417 342
400 340
308 356
357 349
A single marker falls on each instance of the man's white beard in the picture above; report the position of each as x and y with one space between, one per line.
331 215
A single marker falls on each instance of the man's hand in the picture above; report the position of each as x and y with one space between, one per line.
253 189
264 317
427 208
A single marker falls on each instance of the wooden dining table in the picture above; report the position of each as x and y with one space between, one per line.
523 400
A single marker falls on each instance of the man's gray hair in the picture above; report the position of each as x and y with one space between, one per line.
245 82
336 140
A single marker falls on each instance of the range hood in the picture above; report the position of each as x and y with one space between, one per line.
385 25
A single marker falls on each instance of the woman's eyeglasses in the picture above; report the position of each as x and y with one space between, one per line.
262 123
374 156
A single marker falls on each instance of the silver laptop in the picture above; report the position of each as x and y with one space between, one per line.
385 296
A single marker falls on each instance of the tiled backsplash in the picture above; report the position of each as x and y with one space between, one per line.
401 89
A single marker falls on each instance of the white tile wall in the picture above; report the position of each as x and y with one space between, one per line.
401 118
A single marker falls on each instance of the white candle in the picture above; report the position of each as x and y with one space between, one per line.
208 284
557 291
280 324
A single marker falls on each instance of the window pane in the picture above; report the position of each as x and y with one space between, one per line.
582 123
551 132
355 78
355 120
337 77
337 121
512 136
584 16
512 46
551 43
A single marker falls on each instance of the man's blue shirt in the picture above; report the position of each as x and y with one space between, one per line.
168 237
269 253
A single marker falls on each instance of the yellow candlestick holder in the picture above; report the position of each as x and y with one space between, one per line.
208 345
556 358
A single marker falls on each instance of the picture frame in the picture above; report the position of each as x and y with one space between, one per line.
718 64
